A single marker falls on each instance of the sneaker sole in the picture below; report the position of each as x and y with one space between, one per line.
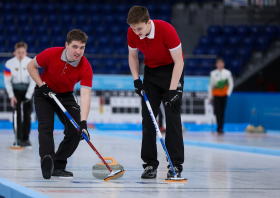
148 177
46 166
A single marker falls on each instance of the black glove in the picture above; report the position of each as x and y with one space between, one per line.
83 129
139 87
173 98
47 91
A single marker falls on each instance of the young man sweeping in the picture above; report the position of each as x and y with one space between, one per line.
163 79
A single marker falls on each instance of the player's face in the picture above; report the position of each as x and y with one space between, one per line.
141 29
75 50
20 53
220 65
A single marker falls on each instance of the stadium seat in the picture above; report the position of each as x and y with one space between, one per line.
110 63
65 8
8 18
88 29
164 17
91 40
107 50
95 19
244 54
32 49
249 42
43 47
256 30
118 41
26 30
1 29
35 8
94 62
164 8
81 20
122 50
219 41
29 39
56 30
101 30
205 41
192 63
50 8
59 41
52 19
66 19
270 31
109 19
79 8
242 30
115 30
121 18
13 39
229 54
12 29
22 18
199 51
214 30
7 8
206 63
122 8
4 49
103 41
44 40
2 39
236 66
71 27
124 66
228 30
152 8
204 71
188 71
37 19
92 50
41 30
93 8
214 51
107 8
262 43
234 40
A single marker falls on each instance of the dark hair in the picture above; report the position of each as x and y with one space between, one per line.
20 44
138 14
76 35
220 60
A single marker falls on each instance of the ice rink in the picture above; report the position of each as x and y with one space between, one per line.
212 170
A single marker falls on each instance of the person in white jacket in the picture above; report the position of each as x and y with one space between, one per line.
220 88
20 87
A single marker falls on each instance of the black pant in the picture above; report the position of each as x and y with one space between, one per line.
219 110
23 127
157 81
45 109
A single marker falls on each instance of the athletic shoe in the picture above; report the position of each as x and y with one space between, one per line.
18 142
149 173
25 143
170 172
47 166
62 173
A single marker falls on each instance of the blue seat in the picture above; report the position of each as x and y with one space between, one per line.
234 40
219 41
50 8
101 30
109 19
95 19
35 7
164 8
21 7
37 19
122 50
270 31
228 30
1 28
94 62
66 19
205 41
192 63
71 27
81 20
29 39
206 63
214 30
164 17
52 19
4 49
44 40
110 63
32 49
26 30
229 54
115 29
59 41
92 50
199 51
262 43
41 30
2 39
236 66
242 30
121 18
79 8
227 62
43 47
118 41
12 29
8 18
125 28
13 39
88 29
107 8
91 40
65 8
107 50
122 8
249 42
244 54
93 8
23 18
214 51
256 30
204 71
103 41
56 30
124 65
152 8
7 7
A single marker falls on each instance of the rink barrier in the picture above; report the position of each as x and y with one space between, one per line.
10 189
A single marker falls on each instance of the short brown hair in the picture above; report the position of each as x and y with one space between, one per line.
220 60
76 35
138 14
20 44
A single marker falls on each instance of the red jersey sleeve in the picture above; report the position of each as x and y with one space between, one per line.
130 42
87 76
42 59
171 39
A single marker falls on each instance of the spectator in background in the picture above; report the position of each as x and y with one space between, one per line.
20 88
220 88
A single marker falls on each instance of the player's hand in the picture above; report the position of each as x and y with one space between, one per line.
139 87
83 129
173 99
13 101
47 91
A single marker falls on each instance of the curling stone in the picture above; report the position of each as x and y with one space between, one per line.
100 171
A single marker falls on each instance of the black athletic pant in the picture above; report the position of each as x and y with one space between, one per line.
157 81
219 110
23 127
45 109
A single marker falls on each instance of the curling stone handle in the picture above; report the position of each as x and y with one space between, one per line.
109 158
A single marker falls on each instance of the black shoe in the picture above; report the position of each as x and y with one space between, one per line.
170 172
18 142
25 143
47 166
149 173
62 173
